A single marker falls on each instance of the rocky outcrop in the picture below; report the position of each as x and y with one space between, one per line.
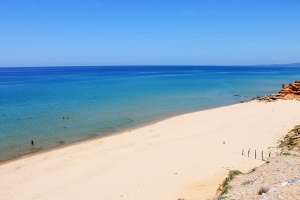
291 91
288 92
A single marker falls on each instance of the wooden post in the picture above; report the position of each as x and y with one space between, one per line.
248 152
243 152
262 155
255 153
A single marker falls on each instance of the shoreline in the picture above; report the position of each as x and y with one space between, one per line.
109 135
184 156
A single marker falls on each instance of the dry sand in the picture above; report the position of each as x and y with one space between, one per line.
181 157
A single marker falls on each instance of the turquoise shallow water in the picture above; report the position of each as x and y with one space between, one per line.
100 101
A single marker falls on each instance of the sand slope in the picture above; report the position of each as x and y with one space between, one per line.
181 157
269 176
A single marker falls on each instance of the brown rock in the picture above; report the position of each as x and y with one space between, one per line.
283 86
294 87
290 92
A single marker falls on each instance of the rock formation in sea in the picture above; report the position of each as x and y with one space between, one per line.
288 92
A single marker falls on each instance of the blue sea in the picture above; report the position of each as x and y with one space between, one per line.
56 106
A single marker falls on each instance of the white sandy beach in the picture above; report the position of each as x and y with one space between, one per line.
181 157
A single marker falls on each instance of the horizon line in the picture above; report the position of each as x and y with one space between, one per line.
156 65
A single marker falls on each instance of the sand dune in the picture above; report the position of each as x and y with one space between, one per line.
181 157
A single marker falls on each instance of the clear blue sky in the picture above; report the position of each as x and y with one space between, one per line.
149 32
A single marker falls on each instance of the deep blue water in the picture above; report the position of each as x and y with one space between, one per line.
103 100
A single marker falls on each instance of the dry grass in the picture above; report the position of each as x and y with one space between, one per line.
291 141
